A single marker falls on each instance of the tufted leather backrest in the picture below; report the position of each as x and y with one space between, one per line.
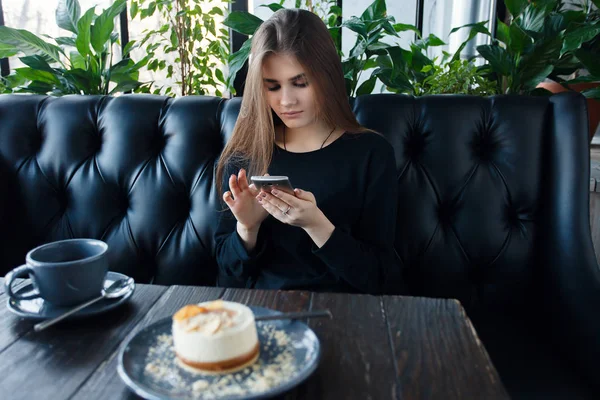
137 172
134 171
470 173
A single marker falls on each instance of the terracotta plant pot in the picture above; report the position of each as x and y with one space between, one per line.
593 104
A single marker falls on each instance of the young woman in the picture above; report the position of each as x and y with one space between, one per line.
336 231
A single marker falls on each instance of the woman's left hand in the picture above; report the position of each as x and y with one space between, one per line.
300 210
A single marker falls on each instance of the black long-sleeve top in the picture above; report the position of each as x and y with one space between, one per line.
354 182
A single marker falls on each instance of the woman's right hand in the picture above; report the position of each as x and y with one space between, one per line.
241 200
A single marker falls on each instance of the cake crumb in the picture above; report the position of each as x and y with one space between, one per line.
200 385
275 366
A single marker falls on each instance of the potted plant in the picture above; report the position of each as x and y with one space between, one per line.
401 70
187 48
79 64
546 42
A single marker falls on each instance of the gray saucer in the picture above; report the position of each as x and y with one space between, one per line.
39 309
147 364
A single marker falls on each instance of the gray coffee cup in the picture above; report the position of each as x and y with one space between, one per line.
63 273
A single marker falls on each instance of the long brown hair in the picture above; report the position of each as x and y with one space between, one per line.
301 34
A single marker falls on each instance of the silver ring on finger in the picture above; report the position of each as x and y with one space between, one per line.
286 210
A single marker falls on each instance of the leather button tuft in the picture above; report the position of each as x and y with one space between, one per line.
512 215
61 197
483 146
161 143
414 145
445 213
36 143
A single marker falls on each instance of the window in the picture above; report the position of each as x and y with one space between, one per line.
39 17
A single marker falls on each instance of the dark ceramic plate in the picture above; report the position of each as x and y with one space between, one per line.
39 309
289 354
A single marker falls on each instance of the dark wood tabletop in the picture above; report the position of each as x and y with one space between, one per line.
388 347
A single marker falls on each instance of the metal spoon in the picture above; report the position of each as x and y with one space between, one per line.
117 289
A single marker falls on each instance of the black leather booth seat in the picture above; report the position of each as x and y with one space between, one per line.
493 206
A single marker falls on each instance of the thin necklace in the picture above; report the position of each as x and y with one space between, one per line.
322 144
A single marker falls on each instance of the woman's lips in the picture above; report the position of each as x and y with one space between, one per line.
291 114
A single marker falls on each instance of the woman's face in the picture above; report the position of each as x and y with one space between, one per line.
288 91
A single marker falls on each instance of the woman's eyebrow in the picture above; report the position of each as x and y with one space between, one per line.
295 78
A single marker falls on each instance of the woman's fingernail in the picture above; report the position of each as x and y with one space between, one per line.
259 200
274 191
264 195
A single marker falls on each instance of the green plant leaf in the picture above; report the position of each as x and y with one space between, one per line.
335 10
273 6
367 86
532 19
519 40
502 32
477 27
418 59
105 24
590 60
592 93
374 27
400 83
582 79
38 87
128 47
7 50
146 12
574 39
389 29
237 60
535 66
406 27
93 66
243 22
219 75
516 7
430 40
555 24
567 65
384 62
123 67
359 47
125 86
398 59
83 81
336 36
83 37
36 75
65 41
378 46
38 63
371 63
376 10
500 61
533 77
356 25
133 10
29 44
216 10
67 15
77 61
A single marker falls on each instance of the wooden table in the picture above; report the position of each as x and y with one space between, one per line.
386 347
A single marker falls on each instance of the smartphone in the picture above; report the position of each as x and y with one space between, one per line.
266 183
